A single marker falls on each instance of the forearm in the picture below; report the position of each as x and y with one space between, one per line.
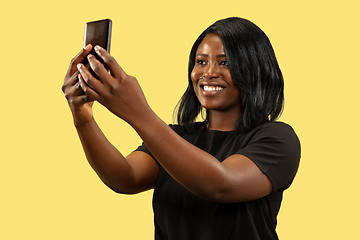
195 169
109 164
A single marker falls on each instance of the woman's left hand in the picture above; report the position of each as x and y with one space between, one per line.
118 91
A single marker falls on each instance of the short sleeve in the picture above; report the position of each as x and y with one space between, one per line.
275 148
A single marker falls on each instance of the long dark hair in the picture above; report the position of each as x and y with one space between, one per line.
254 69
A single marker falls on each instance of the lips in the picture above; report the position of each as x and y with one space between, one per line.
208 88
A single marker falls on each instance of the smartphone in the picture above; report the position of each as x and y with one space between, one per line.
97 33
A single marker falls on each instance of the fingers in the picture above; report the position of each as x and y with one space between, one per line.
91 95
78 59
89 84
110 61
99 69
81 55
70 82
75 94
73 90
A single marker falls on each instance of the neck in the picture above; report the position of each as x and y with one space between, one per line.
222 121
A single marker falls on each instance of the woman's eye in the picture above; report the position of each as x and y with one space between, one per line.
200 62
225 63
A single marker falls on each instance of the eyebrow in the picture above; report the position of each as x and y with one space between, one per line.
206 55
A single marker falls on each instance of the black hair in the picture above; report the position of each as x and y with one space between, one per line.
253 68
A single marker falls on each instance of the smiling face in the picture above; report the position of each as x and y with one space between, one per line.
211 77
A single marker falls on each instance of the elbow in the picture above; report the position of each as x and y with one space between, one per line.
214 194
128 190
223 196
225 192
124 191
114 189
212 197
119 190
236 194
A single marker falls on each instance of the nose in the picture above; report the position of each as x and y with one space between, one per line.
212 71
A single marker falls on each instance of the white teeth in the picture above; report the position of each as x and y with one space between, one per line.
212 88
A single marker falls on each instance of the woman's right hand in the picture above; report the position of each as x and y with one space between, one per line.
79 103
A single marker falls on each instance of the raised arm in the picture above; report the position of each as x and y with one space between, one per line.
235 179
135 173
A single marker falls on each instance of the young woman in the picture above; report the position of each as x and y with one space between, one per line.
221 178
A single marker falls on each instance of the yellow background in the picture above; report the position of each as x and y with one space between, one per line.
48 191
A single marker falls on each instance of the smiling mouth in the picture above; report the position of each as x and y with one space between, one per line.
207 88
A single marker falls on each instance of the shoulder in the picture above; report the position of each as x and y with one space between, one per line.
276 126
274 130
275 148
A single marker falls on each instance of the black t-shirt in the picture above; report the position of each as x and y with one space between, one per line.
180 215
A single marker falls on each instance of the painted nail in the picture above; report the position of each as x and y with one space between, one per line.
97 47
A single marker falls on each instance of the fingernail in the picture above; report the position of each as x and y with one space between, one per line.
87 46
97 48
78 66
